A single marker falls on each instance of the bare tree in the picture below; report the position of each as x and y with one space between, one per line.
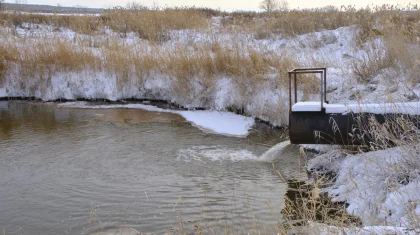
1 4
273 5
269 5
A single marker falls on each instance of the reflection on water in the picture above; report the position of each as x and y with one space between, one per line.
136 116
24 114
81 171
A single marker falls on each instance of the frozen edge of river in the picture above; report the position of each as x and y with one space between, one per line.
224 123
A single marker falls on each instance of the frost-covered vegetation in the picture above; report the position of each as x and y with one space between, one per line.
211 59
380 184
239 62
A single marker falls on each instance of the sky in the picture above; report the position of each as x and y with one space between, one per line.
228 5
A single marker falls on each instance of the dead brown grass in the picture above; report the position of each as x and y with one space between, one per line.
373 22
203 64
395 52
39 61
246 66
84 24
153 24
150 24
306 203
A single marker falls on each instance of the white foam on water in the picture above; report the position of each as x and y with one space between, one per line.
275 151
215 154
219 153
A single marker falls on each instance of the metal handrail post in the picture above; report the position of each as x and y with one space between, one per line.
323 84
322 90
295 76
290 92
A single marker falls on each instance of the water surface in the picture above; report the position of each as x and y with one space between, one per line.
82 171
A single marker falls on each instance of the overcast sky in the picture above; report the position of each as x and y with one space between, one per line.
218 4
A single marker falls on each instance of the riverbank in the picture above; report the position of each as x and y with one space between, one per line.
217 63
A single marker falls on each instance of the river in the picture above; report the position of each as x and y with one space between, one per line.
83 171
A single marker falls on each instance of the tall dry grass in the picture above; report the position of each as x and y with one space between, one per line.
84 24
246 66
154 23
149 23
372 22
203 64
396 52
307 203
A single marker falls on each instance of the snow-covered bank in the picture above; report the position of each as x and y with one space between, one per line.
322 229
262 95
267 105
224 123
381 187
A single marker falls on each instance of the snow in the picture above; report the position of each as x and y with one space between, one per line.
219 122
380 187
412 108
322 229
316 107
224 123
3 92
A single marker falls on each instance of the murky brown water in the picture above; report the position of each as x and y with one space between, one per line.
81 171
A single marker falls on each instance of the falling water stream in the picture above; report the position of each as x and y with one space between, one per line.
84 171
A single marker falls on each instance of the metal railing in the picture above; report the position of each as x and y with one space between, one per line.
323 82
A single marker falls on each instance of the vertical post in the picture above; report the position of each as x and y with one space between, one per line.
325 85
290 92
295 87
322 91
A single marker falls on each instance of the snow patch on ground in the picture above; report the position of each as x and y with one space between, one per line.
3 92
381 187
224 123
322 229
